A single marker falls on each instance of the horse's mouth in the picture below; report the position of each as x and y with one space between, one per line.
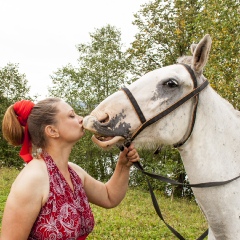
106 142
94 125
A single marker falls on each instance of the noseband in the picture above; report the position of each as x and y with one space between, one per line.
145 123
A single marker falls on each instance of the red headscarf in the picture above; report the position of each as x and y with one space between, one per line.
23 109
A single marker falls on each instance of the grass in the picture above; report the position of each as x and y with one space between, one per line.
135 218
7 176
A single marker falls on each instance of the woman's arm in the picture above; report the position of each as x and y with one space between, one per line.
24 203
111 194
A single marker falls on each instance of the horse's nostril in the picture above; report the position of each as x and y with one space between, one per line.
105 120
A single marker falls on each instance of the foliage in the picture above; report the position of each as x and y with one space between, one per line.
103 65
98 163
13 88
7 176
166 163
102 69
135 217
221 19
166 29
13 83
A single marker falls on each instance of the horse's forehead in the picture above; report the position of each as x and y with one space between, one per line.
154 79
172 71
151 83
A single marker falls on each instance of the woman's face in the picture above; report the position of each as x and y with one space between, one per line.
69 124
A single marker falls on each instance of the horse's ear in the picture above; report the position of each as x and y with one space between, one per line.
200 53
193 47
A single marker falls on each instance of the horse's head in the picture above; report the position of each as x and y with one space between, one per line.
115 119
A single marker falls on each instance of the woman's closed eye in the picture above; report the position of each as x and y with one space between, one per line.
72 115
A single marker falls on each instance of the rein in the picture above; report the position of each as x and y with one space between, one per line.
145 123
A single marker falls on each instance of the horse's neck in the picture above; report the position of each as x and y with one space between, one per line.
214 144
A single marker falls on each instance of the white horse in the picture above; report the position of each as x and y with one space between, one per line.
210 151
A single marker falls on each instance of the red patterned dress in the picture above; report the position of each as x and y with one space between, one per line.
67 214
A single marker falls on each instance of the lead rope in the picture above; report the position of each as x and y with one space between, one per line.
157 208
156 205
173 182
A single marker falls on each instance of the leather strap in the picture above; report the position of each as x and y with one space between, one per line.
135 105
168 180
170 109
193 94
173 182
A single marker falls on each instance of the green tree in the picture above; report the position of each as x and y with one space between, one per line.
103 65
221 19
13 88
166 163
167 28
14 85
102 69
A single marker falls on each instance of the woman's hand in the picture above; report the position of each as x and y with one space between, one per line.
128 156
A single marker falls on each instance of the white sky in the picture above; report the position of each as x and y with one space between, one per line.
41 36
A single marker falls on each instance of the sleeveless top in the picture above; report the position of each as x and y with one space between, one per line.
67 214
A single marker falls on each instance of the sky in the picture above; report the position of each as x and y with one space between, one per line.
41 36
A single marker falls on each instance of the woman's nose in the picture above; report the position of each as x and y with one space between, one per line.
80 119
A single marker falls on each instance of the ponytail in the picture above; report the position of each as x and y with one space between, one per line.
14 120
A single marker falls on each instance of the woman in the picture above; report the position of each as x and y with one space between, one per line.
50 197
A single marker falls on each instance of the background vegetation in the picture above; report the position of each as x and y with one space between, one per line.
165 31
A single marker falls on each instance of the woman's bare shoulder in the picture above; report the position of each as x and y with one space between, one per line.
34 174
27 195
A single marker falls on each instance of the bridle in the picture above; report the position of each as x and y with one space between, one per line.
145 123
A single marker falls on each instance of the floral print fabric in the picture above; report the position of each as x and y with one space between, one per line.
66 214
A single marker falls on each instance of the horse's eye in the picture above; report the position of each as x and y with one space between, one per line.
171 83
